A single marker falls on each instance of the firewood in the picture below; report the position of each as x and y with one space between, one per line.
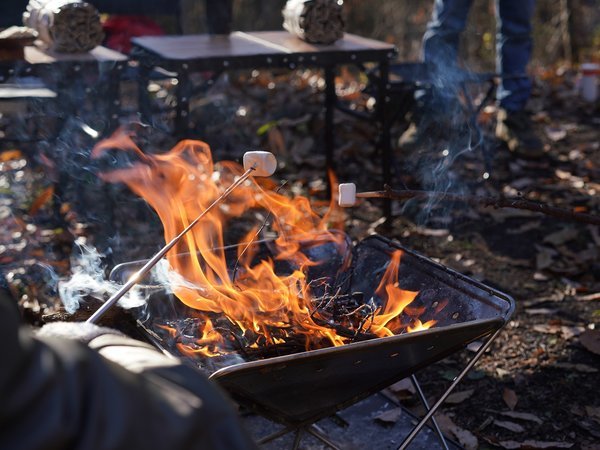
66 26
315 21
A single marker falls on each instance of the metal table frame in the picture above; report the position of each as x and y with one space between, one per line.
60 70
271 49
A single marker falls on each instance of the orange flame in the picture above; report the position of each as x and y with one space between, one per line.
179 185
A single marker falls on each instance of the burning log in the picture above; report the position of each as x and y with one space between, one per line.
348 196
315 21
66 26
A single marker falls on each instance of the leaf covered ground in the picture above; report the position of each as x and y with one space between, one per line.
537 387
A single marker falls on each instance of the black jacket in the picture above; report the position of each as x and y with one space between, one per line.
62 394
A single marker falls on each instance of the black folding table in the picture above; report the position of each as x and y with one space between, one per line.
269 49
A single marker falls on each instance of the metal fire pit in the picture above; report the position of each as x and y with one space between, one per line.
300 389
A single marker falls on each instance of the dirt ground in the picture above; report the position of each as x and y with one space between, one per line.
537 386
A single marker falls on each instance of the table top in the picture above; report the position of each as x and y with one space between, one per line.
14 92
39 55
252 44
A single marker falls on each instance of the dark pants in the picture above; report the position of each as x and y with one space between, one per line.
513 46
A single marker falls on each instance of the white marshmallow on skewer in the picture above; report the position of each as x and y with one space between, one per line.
347 194
265 163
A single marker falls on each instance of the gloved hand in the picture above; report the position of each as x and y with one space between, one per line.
114 393
80 331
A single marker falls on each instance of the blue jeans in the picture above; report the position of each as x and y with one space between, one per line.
513 46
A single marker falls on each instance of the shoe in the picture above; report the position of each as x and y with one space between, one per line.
421 135
516 130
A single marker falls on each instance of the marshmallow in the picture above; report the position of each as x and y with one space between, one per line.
265 163
347 194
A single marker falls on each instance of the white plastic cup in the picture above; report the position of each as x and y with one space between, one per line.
589 81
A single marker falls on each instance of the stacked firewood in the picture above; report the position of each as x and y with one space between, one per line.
315 21
66 26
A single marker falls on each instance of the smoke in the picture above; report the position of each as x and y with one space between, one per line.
449 132
170 280
88 280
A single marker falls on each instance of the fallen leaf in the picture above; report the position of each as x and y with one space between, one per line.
590 339
266 127
510 398
474 346
41 200
560 237
502 372
547 328
534 445
540 311
434 232
449 374
522 416
476 375
544 257
588 297
522 183
524 228
555 134
583 368
10 155
467 439
569 332
500 215
511 426
593 412
389 416
562 174
276 141
594 233
459 397
403 389
538 276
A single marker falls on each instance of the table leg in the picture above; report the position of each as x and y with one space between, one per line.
143 96
183 103
113 97
384 131
330 99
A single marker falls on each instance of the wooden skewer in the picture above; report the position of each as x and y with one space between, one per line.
348 196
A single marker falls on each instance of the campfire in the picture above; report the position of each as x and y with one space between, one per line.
284 288
275 302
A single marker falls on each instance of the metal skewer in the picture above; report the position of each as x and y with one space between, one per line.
136 277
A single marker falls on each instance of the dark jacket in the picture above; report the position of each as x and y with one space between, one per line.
61 394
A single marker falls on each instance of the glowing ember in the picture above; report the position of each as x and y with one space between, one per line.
254 299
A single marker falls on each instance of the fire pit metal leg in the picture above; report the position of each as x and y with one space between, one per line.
318 433
275 435
297 438
441 400
426 405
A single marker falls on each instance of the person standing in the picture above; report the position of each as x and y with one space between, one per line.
513 51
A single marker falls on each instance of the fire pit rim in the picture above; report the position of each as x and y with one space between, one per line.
354 346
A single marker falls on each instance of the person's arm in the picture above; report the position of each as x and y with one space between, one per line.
59 393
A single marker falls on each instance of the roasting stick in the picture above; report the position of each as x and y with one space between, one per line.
348 196
257 163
